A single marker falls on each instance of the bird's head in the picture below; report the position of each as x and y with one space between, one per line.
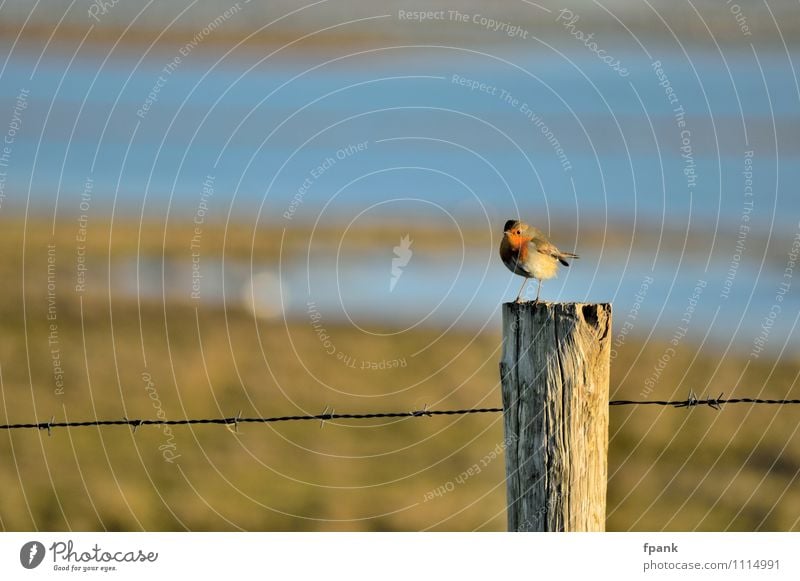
515 229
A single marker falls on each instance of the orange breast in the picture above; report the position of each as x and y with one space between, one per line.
519 244
523 250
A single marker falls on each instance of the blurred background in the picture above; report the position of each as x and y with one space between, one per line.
280 208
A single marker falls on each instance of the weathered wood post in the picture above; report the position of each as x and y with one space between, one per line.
555 373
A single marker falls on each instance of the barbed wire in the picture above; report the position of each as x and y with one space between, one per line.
238 419
691 401
715 403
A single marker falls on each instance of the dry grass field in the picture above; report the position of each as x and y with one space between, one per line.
668 469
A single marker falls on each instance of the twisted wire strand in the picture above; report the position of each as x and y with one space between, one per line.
691 401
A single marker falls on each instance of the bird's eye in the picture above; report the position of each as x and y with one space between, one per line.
519 232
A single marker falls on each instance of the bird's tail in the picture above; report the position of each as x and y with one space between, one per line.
563 255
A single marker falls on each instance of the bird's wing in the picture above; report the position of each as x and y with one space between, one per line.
539 243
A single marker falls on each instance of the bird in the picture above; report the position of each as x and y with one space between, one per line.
526 251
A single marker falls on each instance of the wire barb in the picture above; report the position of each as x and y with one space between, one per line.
234 421
423 412
49 426
325 416
133 424
690 402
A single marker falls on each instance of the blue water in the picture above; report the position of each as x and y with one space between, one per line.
259 129
433 149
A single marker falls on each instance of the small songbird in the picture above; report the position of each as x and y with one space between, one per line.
526 251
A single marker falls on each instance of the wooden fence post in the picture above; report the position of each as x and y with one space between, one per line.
555 373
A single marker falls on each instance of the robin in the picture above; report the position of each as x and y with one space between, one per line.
526 251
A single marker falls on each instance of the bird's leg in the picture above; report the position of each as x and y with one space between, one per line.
538 290
519 296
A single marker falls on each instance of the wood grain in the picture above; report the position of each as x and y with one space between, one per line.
555 374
